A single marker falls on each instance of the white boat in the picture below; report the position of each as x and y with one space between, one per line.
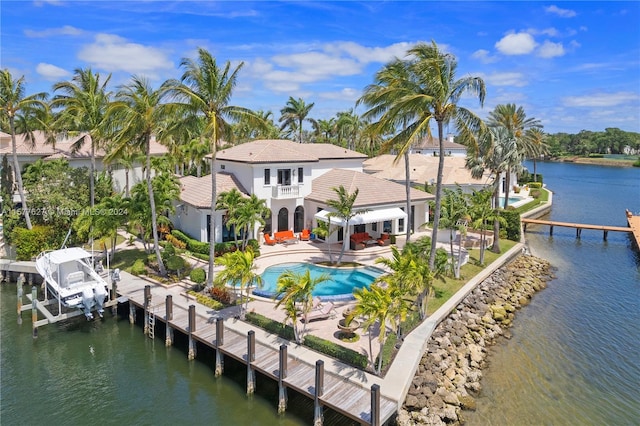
72 280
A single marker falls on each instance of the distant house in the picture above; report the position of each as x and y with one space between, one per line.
296 180
431 146
29 153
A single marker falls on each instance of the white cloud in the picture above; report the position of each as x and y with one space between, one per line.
550 50
40 3
346 94
51 72
550 32
564 13
484 56
113 53
505 79
601 99
516 44
367 55
66 30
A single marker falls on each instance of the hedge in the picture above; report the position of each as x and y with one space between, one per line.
513 224
31 242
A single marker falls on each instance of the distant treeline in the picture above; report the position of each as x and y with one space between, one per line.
611 141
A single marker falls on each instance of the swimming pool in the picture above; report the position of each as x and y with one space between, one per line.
341 286
514 201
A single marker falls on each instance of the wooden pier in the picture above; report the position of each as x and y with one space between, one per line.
364 405
634 224
578 226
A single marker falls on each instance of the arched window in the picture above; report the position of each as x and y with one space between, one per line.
298 219
283 219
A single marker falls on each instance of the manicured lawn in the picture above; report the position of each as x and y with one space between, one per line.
97 245
123 260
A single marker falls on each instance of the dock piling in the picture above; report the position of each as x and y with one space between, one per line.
318 418
282 374
375 405
192 329
19 289
34 311
251 356
219 343
168 340
147 304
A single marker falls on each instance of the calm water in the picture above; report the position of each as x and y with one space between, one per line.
574 358
343 280
107 372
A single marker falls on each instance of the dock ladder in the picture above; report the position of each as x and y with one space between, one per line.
152 322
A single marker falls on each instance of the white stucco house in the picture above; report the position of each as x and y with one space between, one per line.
29 152
430 146
296 180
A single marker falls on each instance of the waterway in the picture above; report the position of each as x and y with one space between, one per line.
574 358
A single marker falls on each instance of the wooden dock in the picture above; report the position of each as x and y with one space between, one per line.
363 405
634 224
578 226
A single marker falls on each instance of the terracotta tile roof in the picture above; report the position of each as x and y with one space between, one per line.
197 190
432 143
284 151
424 168
62 147
373 191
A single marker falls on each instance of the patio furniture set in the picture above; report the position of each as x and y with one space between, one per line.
360 240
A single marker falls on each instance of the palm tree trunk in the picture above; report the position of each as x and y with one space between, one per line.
438 206
18 175
152 203
535 173
214 195
407 188
507 181
126 182
495 248
92 181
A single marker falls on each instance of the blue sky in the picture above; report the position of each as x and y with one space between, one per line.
573 65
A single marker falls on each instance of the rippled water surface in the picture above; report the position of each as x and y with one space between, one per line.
574 358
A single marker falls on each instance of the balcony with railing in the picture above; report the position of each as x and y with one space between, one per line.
282 192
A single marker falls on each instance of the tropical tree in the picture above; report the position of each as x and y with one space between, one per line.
230 201
349 126
206 90
325 129
14 105
482 214
294 113
251 212
324 230
538 144
342 209
141 113
412 94
375 304
454 216
239 271
85 101
296 289
104 219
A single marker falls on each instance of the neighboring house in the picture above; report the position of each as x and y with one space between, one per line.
29 153
424 169
431 146
297 179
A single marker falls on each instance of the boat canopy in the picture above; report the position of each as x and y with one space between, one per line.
67 255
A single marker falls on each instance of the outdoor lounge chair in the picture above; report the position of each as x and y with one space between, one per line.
324 312
268 240
305 235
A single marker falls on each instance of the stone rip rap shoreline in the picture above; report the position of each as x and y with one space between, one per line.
448 377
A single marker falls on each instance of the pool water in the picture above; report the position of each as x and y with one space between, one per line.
512 200
340 287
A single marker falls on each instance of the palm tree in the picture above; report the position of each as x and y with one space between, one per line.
206 90
141 112
294 113
482 214
325 129
239 271
413 93
348 126
251 212
230 201
85 100
14 105
454 213
296 289
538 145
343 210
376 305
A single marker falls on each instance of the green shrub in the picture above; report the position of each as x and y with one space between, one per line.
206 301
198 275
534 185
636 163
30 243
334 350
513 224
168 251
138 267
535 193
596 155
176 263
275 327
221 294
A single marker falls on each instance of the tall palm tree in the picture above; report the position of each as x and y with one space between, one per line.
454 214
206 89
413 94
85 102
14 105
141 112
325 129
349 126
482 214
230 201
294 288
538 144
343 210
239 271
294 113
251 212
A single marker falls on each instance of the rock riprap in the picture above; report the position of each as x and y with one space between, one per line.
448 377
